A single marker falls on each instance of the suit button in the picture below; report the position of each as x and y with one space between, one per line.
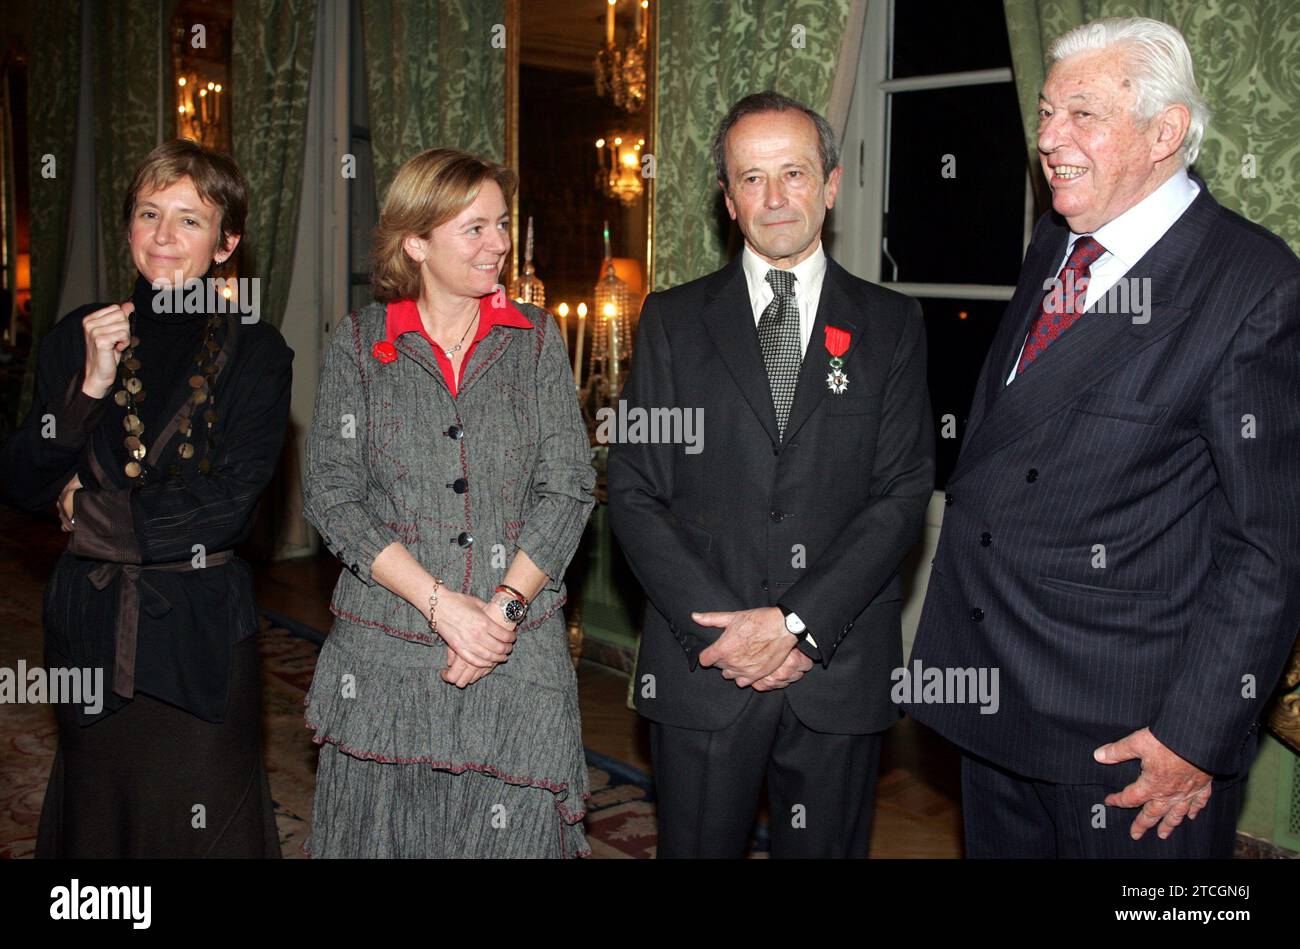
1031 475
455 431
977 615
777 516
763 584
460 485
985 539
947 500
465 538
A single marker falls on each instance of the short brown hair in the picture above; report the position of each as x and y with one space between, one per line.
427 192
216 178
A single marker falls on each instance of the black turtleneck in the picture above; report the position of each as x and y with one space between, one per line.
169 343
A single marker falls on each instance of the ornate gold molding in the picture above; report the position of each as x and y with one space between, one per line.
1285 720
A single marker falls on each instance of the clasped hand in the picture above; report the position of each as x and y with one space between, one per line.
755 648
478 637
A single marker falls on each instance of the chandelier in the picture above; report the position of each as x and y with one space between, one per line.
619 175
621 72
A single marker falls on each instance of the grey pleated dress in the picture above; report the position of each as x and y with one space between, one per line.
409 765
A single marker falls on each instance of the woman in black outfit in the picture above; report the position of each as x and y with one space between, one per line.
153 430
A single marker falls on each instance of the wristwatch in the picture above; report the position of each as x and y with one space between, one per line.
793 624
515 608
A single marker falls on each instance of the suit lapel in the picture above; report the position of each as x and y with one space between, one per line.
1093 348
834 308
729 321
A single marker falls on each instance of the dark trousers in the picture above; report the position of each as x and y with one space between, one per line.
1009 815
821 787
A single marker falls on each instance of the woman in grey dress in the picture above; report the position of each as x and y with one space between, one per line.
448 468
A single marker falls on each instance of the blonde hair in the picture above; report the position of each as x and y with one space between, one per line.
428 191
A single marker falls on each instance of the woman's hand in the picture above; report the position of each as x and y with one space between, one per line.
467 627
107 332
65 502
461 673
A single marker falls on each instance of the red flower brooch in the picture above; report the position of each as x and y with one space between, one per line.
384 351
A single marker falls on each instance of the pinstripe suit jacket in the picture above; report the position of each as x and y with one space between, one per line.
1122 532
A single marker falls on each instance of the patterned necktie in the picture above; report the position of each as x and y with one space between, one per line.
778 335
1063 304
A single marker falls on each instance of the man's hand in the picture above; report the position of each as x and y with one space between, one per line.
1168 789
65 502
754 645
790 671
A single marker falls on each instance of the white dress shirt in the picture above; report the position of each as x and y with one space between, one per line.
1128 237
808 275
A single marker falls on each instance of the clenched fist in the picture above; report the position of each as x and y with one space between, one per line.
107 332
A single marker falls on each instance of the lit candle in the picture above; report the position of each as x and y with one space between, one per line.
609 23
563 312
577 358
611 318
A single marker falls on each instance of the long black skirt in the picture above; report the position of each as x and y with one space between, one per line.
151 780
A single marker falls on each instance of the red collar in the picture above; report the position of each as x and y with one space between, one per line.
403 316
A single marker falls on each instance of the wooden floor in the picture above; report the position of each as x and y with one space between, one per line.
917 798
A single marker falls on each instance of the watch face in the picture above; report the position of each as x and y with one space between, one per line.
514 610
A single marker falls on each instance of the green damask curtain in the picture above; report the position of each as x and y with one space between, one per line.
710 55
126 64
435 77
1247 57
271 53
52 85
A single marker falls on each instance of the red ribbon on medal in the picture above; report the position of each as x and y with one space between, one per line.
837 341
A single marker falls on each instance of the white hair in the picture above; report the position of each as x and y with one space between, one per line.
1161 64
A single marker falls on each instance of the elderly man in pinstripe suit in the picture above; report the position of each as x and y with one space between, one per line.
1121 539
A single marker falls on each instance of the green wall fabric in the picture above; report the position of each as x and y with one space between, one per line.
125 71
1247 58
435 74
711 55
271 58
52 94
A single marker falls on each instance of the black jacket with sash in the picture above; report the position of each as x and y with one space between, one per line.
133 545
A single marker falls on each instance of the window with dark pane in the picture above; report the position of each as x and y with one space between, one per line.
958 335
933 37
956 199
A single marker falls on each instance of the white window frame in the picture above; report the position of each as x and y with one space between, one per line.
856 227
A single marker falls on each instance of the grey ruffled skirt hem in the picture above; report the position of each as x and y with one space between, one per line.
413 767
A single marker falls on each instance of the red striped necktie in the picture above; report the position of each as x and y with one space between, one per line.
1063 303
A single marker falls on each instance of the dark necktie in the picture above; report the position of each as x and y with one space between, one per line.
1063 304
778 335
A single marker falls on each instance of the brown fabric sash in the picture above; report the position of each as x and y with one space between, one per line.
128 609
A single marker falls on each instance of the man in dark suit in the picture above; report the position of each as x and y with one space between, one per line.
1121 539
770 557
